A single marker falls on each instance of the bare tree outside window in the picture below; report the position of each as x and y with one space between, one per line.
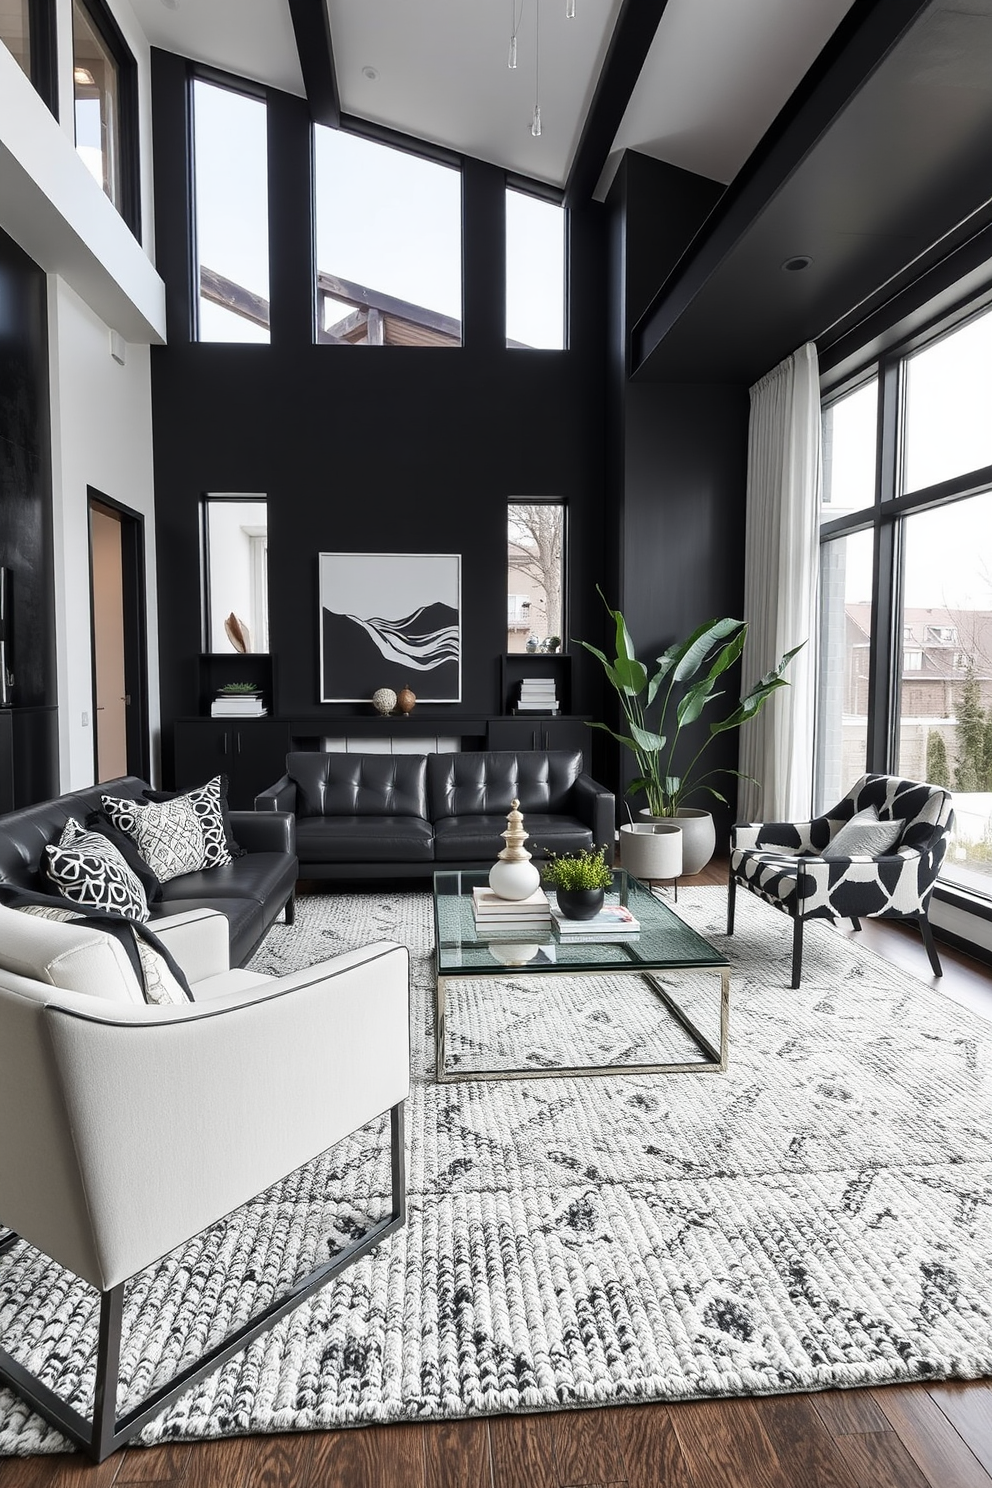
535 550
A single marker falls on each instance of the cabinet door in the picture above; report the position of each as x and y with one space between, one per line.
251 752
538 733
258 758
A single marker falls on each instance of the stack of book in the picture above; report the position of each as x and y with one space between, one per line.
612 920
537 695
237 705
493 915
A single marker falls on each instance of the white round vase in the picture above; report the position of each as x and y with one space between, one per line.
513 879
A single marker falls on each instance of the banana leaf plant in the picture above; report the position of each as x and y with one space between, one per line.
676 693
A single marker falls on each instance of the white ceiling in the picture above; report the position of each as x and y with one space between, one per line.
716 76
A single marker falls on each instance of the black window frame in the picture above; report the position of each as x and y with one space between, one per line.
884 519
202 72
392 139
553 196
42 69
129 142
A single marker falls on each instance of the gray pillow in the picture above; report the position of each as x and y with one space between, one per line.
864 836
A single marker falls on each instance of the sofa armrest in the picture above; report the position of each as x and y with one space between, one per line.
199 939
278 797
596 806
265 831
223 1098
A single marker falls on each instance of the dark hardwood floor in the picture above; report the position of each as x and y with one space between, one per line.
902 1436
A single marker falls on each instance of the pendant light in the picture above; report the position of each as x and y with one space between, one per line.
535 126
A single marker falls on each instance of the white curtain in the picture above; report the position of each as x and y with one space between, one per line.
781 561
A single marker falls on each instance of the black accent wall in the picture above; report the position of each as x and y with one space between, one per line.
370 449
28 737
678 451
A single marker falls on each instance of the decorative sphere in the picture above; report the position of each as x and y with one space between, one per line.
513 880
406 700
384 700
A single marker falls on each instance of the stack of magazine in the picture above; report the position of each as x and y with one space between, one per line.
612 920
537 695
496 916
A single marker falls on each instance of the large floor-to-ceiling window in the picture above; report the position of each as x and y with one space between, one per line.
906 581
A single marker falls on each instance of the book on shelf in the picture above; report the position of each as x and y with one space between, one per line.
237 708
612 919
523 708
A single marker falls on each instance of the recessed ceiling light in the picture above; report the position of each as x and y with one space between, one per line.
171 4
82 77
798 262
370 73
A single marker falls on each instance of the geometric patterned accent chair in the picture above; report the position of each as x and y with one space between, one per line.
876 853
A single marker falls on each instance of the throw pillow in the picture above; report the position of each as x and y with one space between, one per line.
99 821
170 835
864 836
161 980
89 870
204 800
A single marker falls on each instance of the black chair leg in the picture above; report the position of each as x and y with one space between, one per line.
797 950
855 922
731 896
927 934
290 908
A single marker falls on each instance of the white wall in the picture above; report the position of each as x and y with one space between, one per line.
101 437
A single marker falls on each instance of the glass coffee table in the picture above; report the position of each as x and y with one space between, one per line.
504 962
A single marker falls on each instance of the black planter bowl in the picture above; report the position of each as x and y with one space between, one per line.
580 904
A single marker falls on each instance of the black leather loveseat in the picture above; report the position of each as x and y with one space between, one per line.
363 816
251 891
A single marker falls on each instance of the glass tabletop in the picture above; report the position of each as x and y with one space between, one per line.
662 941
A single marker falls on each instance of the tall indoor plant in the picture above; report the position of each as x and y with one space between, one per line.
675 695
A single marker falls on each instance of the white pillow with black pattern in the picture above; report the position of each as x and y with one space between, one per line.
167 834
209 802
88 870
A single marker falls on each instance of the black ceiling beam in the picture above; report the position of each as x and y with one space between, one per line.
862 41
628 49
313 42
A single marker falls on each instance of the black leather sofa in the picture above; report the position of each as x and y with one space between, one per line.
364 816
251 891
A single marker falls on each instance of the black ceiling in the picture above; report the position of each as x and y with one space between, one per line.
863 183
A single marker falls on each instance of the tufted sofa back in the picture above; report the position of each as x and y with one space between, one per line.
477 783
358 784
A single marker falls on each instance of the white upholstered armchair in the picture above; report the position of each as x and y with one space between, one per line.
128 1128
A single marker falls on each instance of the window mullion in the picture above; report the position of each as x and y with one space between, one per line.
886 642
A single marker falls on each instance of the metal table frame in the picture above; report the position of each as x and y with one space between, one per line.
714 1060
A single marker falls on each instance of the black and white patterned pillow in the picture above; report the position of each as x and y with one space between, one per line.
88 870
181 835
168 836
210 804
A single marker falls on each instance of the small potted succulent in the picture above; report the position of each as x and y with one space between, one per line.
580 879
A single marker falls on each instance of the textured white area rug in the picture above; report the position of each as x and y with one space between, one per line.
817 1216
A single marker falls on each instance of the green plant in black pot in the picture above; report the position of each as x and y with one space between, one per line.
580 879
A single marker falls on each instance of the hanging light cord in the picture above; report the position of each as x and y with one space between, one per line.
515 19
535 127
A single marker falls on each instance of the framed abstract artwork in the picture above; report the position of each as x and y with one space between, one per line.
390 620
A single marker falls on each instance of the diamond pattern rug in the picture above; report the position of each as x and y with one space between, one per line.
818 1216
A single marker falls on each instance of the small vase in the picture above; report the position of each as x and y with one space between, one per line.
405 701
580 904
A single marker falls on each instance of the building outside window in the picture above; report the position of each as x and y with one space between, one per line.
535 560
905 683
389 244
232 214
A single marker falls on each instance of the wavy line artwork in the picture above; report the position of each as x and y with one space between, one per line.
415 641
390 620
